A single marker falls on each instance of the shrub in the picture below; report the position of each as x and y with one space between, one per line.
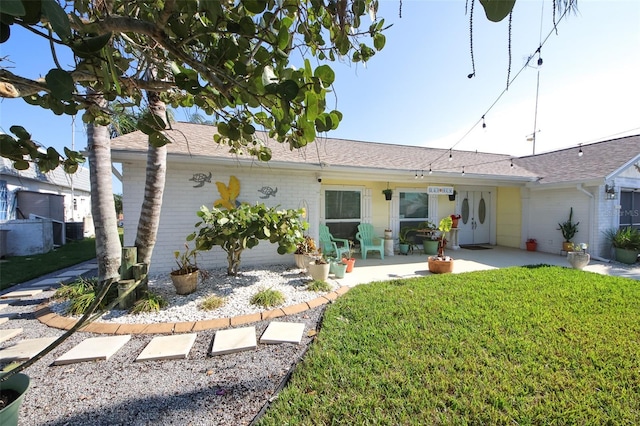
267 298
150 302
212 302
318 285
76 288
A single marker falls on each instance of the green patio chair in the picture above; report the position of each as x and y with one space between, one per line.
331 245
369 241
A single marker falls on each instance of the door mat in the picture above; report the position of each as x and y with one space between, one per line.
474 247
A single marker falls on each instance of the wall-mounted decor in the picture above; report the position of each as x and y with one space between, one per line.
228 194
200 179
268 191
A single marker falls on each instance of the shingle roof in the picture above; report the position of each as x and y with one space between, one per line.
197 140
599 160
56 177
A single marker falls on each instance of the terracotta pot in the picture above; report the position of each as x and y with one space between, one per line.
437 266
185 283
454 223
531 246
350 263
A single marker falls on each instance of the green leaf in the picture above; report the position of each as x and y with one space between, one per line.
379 40
20 132
150 123
288 89
158 139
325 74
21 165
311 100
33 12
60 83
58 18
254 6
12 7
90 45
497 10
5 32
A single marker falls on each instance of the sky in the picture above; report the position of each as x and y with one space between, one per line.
416 91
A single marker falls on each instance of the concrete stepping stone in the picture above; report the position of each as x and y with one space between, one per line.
73 273
234 340
3 306
18 294
168 347
47 282
6 317
9 334
283 332
93 349
25 349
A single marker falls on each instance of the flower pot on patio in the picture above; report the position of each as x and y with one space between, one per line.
339 270
430 246
351 262
626 255
578 259
531 245
440 266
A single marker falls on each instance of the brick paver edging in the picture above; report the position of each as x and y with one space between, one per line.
51 319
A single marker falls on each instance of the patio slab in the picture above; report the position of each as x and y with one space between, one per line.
93 349
25 349
6 317
19 294
234 340
283 332
168 347
73 273
9 334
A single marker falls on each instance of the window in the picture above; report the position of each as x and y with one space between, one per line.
414 209
343 212
630 209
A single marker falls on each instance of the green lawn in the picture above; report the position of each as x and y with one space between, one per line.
539 345
18 269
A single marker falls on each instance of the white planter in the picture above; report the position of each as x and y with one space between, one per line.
578 259
319 272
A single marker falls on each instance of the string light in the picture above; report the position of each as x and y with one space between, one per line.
512 163
580 151
416 176
421 174
430 171
462 170
484 125
450 155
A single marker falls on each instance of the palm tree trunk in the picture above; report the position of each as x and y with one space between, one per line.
153 189
108 247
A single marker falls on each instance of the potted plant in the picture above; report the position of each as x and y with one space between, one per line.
303 251
388 193
12 393
454 220
405 242
349 261
432 240
569 229
626 243
532 244
185 278
578 257
442 264
318 267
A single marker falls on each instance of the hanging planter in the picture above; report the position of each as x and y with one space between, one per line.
388 193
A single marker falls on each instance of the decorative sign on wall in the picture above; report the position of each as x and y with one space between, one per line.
440 190
200 179
268 191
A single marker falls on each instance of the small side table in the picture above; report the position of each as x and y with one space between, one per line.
388 247
452 241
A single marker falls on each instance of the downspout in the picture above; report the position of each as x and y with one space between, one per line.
591 214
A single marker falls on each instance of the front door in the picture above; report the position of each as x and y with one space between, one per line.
474 224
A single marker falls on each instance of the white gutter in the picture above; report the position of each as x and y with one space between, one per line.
591 214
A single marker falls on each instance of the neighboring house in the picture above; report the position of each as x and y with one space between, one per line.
503 200
55 196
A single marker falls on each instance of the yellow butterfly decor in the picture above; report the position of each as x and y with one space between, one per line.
228 194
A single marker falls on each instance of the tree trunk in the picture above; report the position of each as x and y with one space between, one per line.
102 203
153 188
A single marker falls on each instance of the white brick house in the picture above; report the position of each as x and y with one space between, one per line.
339 182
